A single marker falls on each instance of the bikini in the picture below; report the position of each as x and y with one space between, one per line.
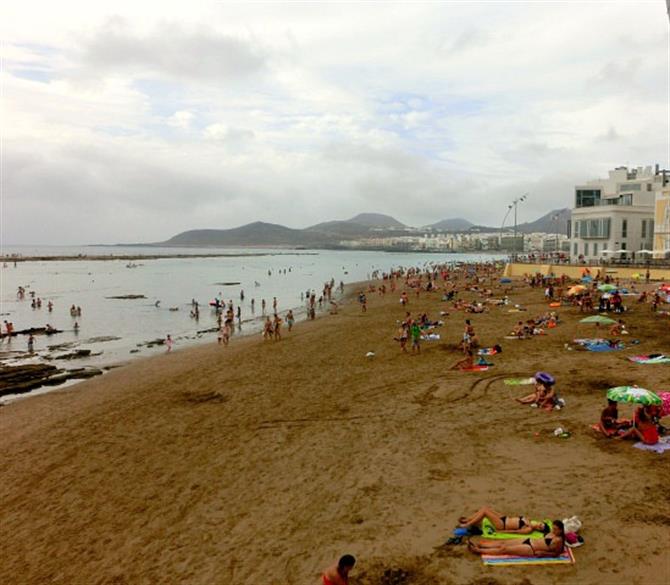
547 542
522 522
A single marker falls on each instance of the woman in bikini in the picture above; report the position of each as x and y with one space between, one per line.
514 524
550 545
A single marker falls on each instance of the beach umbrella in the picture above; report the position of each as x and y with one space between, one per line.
633 394
587 278
645 251
606 287
599 319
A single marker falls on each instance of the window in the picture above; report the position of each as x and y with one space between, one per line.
595 248
630 187
644 229
626 199
574 249
624 228
623 245
569 225
598 227
586 248
587 197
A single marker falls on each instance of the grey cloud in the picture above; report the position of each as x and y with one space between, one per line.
170 50
109 194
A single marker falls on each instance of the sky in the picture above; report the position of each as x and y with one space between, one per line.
133 121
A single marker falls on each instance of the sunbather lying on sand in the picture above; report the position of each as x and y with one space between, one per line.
551 545
514 524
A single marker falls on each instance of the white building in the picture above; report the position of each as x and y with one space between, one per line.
614 217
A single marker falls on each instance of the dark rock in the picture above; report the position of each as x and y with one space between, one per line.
22 379
127 297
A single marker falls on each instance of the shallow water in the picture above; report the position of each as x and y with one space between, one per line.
174 282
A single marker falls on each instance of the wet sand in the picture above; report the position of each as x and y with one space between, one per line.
264 461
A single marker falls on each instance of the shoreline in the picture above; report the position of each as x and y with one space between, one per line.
105 257
253 326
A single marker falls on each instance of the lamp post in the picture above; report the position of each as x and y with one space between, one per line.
516 203
509 208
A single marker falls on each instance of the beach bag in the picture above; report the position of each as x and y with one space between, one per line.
572 524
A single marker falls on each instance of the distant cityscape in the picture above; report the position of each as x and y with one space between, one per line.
625 216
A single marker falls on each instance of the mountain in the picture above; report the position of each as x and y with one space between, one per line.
547 223
456 224
330 233
361 226
252 234
377 220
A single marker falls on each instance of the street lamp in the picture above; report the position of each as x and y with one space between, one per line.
515 203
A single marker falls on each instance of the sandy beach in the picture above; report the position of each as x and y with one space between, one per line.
264 461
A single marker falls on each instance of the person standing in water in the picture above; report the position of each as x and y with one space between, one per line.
253 306
31 343
169 343
263 306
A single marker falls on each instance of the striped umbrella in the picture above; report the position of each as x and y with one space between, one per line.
633 394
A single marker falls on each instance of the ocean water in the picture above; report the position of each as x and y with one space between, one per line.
174 282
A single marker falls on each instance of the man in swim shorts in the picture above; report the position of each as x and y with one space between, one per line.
338 574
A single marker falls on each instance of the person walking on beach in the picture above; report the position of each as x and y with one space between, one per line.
415 333
169 343
268 330
363 301
277 327
290 319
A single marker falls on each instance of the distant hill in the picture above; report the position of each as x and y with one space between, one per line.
545 224
330 233
376 220
456 224
548 224
252 234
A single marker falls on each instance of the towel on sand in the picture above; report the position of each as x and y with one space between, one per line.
518 381
489 532
565 558
650 359
662 445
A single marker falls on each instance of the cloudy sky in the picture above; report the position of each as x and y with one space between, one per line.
138 120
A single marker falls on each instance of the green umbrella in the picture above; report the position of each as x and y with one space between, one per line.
598 319
606 287
633 394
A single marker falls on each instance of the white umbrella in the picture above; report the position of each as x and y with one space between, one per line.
645 252
621 251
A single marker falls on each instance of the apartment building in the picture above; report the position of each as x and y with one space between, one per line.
614 217
662 222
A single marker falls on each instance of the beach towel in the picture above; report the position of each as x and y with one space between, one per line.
487 351
475 368
662 445
518 381
604 346
431 337
647 359
489 532
565 558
